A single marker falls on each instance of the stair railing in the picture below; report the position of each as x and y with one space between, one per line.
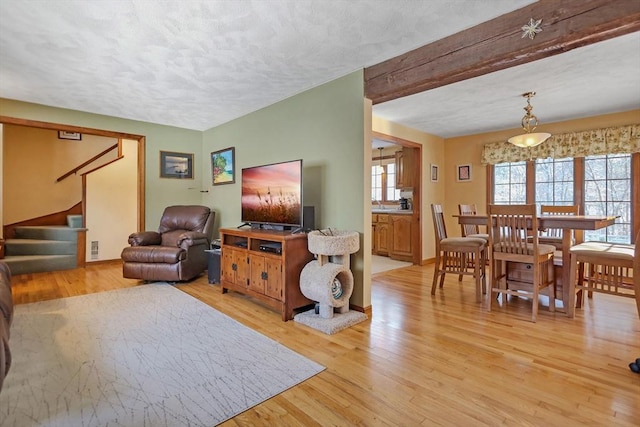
88 162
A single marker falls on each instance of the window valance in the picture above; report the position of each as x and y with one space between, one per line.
616 140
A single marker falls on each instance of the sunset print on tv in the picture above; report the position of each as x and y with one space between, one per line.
272 194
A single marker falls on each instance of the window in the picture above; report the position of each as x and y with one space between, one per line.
383 183
376 183
607 191
392 192
605 182
510 183
554 182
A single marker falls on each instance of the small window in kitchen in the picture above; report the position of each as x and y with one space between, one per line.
383 183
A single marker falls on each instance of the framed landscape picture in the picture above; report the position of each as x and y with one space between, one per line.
176 165
223 166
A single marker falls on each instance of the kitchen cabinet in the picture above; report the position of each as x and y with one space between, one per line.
401 237
374 246
405 160
381 235
266 265
393 235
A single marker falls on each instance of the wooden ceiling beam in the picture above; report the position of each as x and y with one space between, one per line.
499 43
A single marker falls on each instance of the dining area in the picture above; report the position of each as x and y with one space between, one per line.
536 252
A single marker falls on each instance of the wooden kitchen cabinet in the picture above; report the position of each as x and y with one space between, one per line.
374 220
405 167
381 235
401 237
251 266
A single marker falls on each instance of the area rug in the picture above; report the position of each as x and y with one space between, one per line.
337 323
144 356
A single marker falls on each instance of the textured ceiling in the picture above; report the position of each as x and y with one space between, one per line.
198 64
597 79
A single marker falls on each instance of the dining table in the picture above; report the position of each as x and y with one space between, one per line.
573 227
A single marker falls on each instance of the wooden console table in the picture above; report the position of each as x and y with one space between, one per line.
266 265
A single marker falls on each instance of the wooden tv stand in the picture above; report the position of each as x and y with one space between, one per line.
265 264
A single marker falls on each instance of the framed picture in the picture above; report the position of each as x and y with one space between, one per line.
464 173
63 134
223 166
176 165
434 173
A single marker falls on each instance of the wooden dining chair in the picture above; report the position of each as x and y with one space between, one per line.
553 236
458 255
636 272
605 268
509 228
470 230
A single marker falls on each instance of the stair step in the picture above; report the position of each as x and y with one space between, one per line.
39 247
23 264
47 232
74 221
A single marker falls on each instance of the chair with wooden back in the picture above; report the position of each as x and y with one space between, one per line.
553 236
636 272
605 267
470 230
457 255
509 241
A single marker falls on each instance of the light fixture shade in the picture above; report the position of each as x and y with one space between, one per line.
529 139
529 123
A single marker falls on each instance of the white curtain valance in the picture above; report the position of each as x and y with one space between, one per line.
617 140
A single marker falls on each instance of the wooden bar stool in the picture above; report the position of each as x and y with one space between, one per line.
509 241
605 268
553 236
470 230
458 255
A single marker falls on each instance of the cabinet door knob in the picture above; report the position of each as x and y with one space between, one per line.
234 267
264 275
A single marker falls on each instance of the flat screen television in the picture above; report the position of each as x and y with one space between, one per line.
272 195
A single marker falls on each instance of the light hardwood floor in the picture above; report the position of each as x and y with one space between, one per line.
429 360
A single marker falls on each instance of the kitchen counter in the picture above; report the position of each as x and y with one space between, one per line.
392 211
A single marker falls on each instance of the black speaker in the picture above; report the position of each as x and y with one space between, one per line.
308 218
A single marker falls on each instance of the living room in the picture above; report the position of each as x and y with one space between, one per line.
326 127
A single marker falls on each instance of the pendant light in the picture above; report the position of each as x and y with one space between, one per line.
381 168
529 124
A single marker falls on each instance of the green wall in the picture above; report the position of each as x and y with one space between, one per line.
322 126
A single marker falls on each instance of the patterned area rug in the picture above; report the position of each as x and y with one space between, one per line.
145 356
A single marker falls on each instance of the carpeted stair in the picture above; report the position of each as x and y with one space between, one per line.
42 248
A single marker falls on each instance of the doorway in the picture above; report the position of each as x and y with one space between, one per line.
95 178
396 202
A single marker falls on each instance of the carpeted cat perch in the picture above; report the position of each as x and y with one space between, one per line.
329 281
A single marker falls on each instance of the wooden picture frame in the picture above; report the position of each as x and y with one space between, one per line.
463 173
63 134
176 165
434 173
223 166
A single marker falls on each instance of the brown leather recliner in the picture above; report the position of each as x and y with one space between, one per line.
176 252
